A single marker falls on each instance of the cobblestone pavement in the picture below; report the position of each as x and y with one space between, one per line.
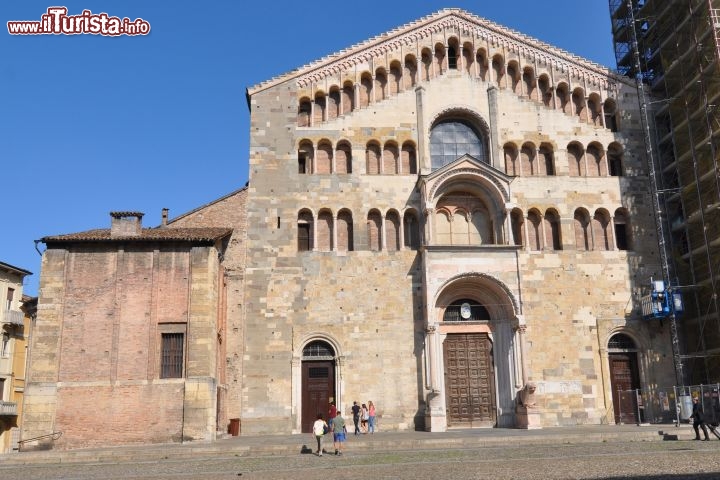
683 459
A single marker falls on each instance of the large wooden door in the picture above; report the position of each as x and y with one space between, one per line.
624 382
318 386
469 380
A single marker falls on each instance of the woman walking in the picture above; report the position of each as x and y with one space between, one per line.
364 417
320 428
371 416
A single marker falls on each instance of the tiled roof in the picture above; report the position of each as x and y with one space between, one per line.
148 235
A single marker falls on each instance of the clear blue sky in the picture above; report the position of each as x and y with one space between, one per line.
91 124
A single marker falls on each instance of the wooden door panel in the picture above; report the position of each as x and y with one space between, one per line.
624 378
318 386
469 379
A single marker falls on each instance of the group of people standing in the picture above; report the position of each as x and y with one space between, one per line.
363 418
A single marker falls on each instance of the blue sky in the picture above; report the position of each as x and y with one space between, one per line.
91 124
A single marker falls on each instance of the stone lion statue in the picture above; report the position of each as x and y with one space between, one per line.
526 396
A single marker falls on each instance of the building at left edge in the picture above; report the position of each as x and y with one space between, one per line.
16 317
451 219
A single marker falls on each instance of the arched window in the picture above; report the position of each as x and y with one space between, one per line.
545 90
563 98
529 83
304 109
392 231
482 63
517 222
546 161
426 65
622 229
319 113
469 58
602 240
595 110
439 59
452 139
318 350
498 67
576 165
620 341
511 159
366 87
595 161
305 231
324 231
333 103
411 231
348 98
534 230
582 231
374 229
305 156
390 159
395 78
410 72
372 158
610 115
344 231
514 77
465 310
552 230
578 98
408 164
343 158
323 157
452 58
615 160
528 163
380 84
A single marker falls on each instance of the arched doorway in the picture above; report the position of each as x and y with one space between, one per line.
318 381
625 379
469 368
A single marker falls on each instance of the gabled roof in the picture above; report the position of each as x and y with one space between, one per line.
417 30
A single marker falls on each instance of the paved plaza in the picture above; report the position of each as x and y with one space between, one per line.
598 452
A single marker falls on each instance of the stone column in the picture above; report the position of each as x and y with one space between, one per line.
435 416
423 152
493 147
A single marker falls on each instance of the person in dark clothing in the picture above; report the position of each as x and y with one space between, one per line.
698 419
356 417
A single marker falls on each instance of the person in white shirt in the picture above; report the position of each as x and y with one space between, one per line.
320 428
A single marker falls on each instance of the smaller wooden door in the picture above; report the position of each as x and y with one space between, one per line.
318 386
624 382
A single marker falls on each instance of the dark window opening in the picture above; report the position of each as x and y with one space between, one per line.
304 237
452 58
465 310
302 163
622 342
171 363
621 238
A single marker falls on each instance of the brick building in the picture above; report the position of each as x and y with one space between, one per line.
437 219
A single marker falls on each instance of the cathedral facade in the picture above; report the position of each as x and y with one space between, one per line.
451 219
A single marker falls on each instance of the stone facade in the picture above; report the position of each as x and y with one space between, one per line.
436 219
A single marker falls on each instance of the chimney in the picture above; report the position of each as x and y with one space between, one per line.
165 212
126 224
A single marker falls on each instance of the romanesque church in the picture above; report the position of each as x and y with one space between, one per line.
451 219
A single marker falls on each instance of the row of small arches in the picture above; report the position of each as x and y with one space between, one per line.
384 82
401 159
393 230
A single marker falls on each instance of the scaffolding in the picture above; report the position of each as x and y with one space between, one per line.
672 49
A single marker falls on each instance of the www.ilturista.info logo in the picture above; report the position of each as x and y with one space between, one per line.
57 22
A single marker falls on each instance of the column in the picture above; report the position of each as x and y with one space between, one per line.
495 158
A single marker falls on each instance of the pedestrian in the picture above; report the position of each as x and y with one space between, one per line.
371 416
339 432
698 419
364 416
332 412
356 417
320 428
